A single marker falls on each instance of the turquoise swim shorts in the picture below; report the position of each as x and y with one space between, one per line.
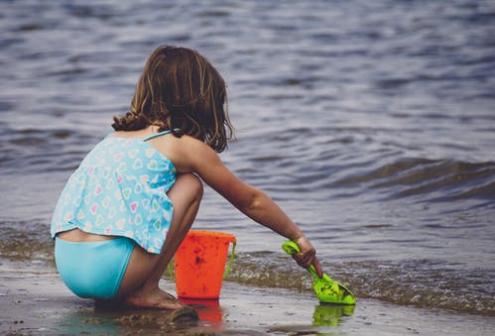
93 269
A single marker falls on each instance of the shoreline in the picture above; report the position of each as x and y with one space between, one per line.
37 302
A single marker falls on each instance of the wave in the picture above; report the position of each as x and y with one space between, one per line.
442 180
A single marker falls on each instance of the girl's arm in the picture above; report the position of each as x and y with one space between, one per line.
253 202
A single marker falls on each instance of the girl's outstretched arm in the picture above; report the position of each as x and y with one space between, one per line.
252 201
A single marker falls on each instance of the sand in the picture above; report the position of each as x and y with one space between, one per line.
35 302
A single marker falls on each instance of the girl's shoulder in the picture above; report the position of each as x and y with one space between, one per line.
183 151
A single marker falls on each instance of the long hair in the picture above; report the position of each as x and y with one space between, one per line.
181 91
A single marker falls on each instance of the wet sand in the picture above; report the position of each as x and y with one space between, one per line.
35 302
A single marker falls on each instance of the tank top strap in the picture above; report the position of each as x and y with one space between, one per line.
156 135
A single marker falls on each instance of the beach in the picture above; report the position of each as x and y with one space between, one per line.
35 302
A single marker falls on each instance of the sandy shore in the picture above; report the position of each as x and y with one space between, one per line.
35 302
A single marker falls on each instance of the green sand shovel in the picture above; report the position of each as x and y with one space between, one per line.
326 289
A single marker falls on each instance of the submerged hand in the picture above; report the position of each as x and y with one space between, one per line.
307 256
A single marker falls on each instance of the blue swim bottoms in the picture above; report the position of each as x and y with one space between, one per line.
93 269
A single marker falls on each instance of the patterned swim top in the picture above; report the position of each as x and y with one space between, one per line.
119 189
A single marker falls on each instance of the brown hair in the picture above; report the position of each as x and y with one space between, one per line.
180 89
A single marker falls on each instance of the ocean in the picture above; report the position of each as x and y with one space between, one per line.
371 123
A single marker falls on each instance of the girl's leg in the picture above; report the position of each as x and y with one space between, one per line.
140 284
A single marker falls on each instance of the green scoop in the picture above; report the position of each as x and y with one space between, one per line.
326 289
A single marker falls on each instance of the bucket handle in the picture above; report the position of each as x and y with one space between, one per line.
228 267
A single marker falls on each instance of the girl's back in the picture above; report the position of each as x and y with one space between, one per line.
120 189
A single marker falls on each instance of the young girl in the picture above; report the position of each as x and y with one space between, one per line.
126 209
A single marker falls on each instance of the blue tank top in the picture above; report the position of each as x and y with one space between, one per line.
119 189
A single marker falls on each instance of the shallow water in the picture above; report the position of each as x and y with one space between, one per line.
371 123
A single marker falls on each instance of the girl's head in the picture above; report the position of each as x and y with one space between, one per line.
179 88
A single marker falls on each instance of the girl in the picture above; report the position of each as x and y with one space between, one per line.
126 209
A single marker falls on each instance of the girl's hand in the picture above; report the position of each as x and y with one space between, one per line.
307 256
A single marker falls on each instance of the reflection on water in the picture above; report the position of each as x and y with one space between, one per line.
114 319
208 310
85 321
331 315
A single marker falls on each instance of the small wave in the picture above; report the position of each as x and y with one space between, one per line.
213 13
73 71
87 11
25 241
408 177
423 283
56 149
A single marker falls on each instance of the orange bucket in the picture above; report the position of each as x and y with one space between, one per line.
200 264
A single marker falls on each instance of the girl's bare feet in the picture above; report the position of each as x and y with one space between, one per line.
153 298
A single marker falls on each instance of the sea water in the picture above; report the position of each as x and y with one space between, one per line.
371 123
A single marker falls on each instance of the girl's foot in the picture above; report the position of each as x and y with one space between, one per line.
154 298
